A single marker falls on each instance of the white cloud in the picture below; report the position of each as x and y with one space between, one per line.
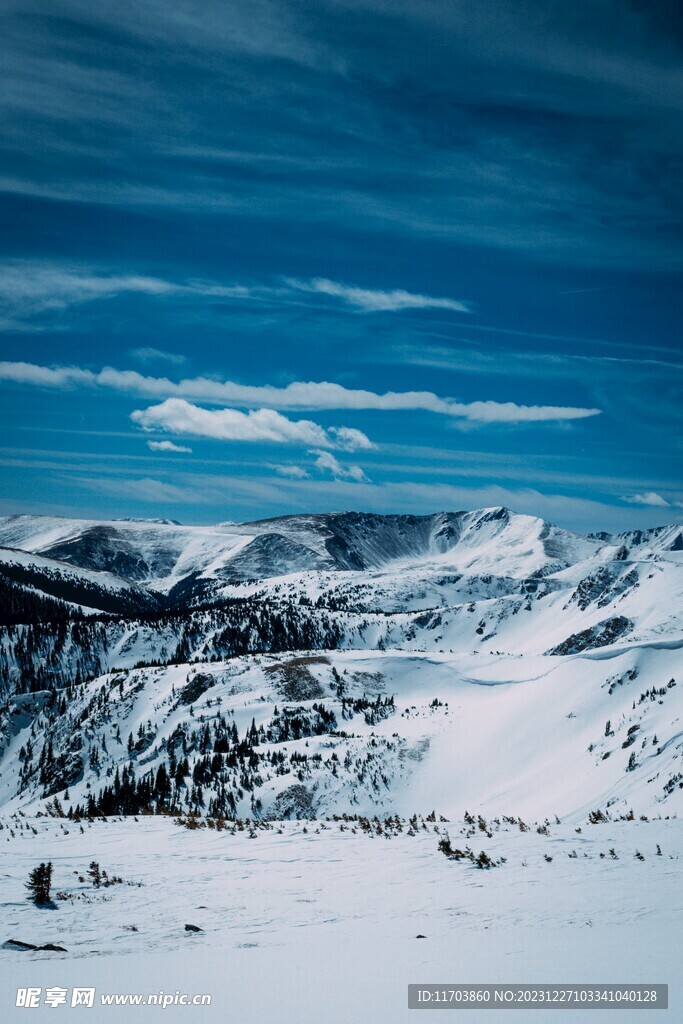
167 446
327 462
650 498
46 376
45 286
298 395
291 472
262 425
350 439
511 412
33 287
373 301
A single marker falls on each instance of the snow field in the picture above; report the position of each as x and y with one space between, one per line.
323 924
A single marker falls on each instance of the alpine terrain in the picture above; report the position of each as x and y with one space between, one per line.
263 729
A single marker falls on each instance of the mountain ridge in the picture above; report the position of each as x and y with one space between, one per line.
160 555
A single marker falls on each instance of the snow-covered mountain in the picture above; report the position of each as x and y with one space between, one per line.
340 662
162 554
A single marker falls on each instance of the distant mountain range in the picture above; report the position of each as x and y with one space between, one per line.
460 656
129 558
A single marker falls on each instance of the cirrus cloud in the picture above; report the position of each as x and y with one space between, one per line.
32 287
368 300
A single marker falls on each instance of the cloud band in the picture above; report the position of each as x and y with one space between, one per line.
298 395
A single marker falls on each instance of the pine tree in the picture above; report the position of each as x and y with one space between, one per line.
39 884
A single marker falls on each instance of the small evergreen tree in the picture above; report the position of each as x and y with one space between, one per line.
40 883
445 847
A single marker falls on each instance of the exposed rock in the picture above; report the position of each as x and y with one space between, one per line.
294 802
295 679
29 946
196 687
601 635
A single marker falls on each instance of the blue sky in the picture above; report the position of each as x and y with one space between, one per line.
372 254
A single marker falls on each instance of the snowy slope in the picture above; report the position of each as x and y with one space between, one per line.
157 555
89 590
532 735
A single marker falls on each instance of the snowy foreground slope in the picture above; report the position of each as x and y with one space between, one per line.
326 698
322 921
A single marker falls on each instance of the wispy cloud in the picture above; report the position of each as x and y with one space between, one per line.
282 494
292 472
373 300
168 446
177 416
298 395
435 465
503 129
46 376
466 356
30 288
38 286
327 462
651 499
148 354
146 489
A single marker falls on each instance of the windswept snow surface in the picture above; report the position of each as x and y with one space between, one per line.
320 921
